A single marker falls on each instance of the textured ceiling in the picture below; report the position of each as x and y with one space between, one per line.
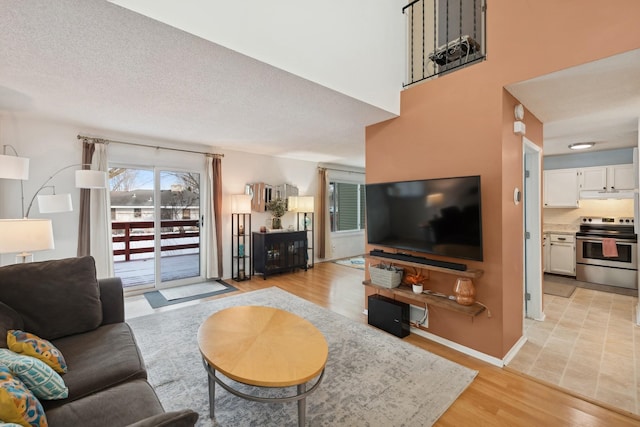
95 64
595 102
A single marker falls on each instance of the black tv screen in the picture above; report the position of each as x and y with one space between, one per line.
436 216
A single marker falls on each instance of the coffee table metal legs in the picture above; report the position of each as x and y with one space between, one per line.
212 395
302 405
301 396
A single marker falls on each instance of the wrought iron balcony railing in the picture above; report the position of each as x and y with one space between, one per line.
443 35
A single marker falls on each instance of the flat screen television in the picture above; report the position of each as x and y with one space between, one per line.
435 216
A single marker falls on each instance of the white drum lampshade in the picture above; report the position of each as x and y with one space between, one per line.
25 235
292 204
241 203
55 203
12 167
305 204
87 178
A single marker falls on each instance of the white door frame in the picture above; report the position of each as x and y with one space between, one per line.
532 251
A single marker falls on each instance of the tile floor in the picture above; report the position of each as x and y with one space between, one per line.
588 343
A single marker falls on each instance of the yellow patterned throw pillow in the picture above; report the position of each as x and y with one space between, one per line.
17 404
31 345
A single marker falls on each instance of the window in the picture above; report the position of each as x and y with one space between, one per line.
346 206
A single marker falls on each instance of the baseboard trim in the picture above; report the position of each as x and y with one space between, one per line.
459 347
514 350
467 350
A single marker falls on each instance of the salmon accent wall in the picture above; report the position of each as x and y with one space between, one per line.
462 124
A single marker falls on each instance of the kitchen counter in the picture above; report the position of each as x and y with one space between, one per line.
560 228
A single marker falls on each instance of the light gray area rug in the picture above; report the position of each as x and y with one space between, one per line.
372 378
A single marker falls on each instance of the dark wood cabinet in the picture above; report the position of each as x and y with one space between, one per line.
278 252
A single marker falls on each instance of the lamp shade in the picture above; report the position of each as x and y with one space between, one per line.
292 203
25 235
13 167
241 203
305 204
55 203
86 178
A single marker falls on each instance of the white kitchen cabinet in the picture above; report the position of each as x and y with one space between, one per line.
562 254
621 177
561 188
593 179
607 178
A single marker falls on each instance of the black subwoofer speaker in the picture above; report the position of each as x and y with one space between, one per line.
389 315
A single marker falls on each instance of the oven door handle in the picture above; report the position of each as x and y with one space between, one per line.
627 241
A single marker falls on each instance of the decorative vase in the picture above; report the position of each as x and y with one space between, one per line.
276 223
464 291
417 289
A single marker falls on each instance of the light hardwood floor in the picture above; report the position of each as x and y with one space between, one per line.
497 397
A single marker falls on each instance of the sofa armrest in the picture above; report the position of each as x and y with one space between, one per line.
184 418
112 298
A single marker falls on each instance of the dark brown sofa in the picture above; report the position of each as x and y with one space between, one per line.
63 302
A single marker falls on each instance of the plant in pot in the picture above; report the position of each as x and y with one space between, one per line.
277 207
415 280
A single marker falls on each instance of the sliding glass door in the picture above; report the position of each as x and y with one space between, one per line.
179 226
155 216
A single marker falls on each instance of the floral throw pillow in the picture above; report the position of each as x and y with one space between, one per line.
32 345
17 404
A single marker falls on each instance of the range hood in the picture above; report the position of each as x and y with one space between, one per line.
603 195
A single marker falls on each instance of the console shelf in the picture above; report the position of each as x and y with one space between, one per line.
473 274
436 301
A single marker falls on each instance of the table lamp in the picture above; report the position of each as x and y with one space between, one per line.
23 236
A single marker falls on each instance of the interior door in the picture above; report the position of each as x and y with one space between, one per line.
533 231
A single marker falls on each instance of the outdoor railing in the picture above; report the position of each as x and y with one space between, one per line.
134 231
443 35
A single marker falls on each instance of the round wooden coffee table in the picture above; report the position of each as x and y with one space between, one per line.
265 347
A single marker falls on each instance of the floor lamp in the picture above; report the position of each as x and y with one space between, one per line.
304 205
24 236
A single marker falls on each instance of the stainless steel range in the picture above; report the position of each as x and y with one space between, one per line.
592 265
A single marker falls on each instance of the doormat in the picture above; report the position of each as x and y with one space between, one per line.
558 289
156 299
355 262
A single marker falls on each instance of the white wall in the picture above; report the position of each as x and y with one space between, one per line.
51 146
354 47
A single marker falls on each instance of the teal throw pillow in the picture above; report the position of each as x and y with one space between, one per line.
40 378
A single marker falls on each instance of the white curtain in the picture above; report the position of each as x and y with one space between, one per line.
209 232
101 245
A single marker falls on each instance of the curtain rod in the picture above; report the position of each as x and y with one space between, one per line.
109 141
341 170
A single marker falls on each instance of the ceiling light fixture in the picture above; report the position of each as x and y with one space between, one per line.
581 145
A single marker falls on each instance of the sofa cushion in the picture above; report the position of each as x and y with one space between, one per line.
99 359
121 405
40 292
9 319
17 404
32 345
